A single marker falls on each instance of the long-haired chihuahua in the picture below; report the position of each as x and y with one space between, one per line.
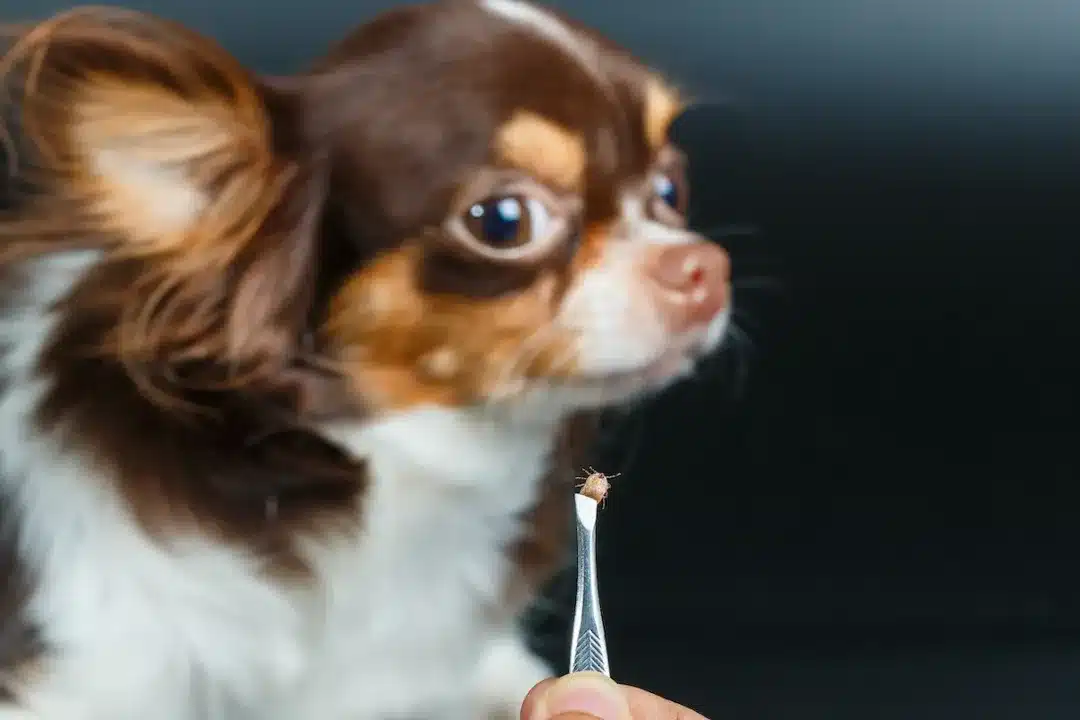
292 370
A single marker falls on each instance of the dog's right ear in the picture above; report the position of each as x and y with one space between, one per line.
158 142
146 123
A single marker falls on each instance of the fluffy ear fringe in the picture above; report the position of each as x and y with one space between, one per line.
117 111
144 139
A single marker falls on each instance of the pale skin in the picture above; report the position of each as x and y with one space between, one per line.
590 696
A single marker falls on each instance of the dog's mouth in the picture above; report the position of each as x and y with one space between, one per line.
671 364
676 361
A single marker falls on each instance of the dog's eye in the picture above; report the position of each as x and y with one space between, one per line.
669 196
508 221
509 218
666 190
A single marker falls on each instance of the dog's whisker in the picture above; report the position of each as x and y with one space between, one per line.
759 282
720 232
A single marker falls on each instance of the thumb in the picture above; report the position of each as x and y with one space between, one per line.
578 696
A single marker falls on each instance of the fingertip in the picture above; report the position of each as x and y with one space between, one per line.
529 704
644 704
579 696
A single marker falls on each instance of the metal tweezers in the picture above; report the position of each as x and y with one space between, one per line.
588 646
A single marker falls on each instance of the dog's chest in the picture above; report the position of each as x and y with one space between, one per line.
415 603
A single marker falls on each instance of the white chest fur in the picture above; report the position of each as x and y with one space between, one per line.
448 488
399 620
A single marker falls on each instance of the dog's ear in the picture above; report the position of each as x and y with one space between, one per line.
160 141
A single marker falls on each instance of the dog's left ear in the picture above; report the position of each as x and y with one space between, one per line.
163 144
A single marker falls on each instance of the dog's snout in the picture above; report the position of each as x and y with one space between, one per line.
690 282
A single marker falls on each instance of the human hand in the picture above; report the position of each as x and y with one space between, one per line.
591 696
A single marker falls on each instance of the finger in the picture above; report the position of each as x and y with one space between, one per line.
590 696
528 705
646 706
578 696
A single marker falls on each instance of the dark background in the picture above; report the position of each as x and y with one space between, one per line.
867 506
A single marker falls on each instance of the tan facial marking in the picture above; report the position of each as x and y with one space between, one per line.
415 348
441 364
542 148
662 105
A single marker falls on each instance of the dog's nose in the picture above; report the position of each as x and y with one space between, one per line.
691 283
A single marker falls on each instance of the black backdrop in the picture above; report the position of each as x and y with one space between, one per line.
866 508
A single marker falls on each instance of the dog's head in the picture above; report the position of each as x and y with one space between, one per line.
465 202
511 176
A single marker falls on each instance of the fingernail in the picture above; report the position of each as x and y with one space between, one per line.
583 693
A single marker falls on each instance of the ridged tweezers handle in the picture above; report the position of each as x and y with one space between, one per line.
588 646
